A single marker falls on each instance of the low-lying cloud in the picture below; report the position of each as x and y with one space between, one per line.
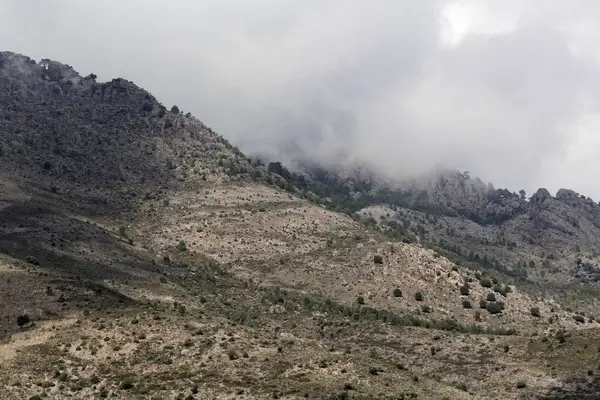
507 90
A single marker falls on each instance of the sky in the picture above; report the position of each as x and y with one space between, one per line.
506 89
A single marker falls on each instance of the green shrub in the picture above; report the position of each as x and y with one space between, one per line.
397 292
491 297
419 296
467 304
23 319
464 290
493 308
579 318
535 311
175 110
377 259
360 300
126 384
482 304
181 246
485 282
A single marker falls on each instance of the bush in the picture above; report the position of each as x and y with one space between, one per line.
426 309
485 282
535 311
23 319
175 110
491 297
493 308
482 303
464 290
181 246
419 296
126 384
467 304
377 259
521 385
397 292
579 318
32 260
360 300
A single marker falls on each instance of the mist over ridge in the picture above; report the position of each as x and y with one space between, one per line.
508 92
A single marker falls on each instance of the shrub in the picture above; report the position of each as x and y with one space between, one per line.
126 384
485 282
491 297
147 107
482 303
181 246
493 308
426 309
498 288
521 385
397 292
360 300
23 319
464 290
175 110
467 304
377 259
535 311
419 296
579 318
32 260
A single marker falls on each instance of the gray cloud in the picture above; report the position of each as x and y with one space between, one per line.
515 100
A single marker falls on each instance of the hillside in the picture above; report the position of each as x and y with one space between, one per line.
143 256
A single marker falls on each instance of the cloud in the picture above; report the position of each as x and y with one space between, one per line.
507 90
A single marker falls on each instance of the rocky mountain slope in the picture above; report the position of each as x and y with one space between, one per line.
143 256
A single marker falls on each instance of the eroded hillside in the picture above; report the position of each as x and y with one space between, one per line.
145 257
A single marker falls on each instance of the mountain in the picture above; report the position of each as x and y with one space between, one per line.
144 256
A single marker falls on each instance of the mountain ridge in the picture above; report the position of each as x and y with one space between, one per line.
144 255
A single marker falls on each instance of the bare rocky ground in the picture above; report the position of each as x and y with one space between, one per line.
170 275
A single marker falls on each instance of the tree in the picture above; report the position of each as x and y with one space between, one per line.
522 194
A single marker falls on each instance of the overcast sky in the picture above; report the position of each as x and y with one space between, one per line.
506 89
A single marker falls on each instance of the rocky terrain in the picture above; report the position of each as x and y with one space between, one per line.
143 256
